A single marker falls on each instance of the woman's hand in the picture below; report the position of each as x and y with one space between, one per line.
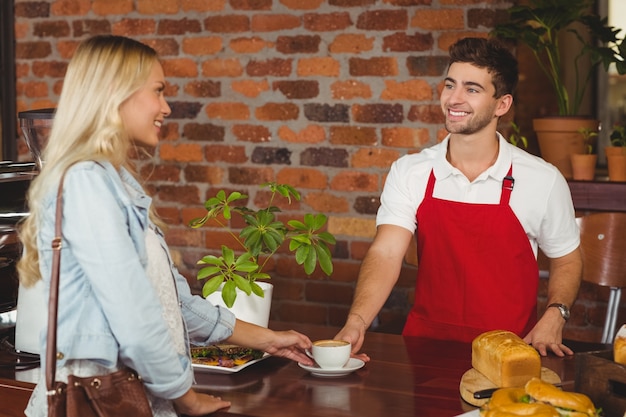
291 345
287 344
196 404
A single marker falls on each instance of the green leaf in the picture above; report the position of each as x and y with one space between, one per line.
250 219
302 254
212 285
298 225
322 247
303 239
255 249
292 191
260 275
257 290
242 283
325 259
270 241
248 231
229 293
277 226
294 244
284 191
251 237
310 262
265 217
196 223
278 234
211 260
246 265
215 201
319 221
208 272
234 196
228 254
213 212
327 237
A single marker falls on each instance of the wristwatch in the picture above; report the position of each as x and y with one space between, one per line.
563 309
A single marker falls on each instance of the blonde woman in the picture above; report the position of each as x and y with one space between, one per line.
121 300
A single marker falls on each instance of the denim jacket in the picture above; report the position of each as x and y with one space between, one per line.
108 309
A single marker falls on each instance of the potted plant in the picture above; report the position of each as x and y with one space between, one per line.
542 25
584 165
618 136
238 269
516 138
616 154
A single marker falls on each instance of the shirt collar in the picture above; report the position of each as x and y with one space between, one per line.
498 170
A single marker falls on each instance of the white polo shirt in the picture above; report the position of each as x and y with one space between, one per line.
540 199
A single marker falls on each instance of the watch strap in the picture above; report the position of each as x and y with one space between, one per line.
563 309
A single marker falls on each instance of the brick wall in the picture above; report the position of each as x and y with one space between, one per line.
322 94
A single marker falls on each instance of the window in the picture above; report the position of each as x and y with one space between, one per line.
612 86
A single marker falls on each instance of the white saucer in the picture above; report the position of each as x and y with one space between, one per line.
352 365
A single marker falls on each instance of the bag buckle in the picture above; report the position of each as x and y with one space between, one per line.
57 243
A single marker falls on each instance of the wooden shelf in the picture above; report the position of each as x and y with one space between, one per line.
598 195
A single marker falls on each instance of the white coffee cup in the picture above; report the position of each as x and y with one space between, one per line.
331 354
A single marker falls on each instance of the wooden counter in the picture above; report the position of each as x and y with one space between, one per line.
14 396
406 377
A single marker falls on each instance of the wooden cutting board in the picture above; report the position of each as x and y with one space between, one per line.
473 381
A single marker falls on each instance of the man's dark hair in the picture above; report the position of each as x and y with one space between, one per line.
492 55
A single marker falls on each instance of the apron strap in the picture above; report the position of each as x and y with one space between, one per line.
507 187
430 186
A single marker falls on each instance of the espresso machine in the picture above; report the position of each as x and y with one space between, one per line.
14 181
23 311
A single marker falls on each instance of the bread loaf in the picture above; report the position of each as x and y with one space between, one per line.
505 359
619 346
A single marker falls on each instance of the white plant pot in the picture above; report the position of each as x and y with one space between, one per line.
252 308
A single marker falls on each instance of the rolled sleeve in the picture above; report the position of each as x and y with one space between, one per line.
206 323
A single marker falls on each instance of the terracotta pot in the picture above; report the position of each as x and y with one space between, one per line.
617 167
614 150
559 138
616 162
584 166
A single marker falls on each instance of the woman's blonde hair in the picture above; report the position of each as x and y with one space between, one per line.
104 72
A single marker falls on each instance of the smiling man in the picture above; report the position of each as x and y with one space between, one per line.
480 209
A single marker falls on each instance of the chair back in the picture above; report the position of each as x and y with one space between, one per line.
603 246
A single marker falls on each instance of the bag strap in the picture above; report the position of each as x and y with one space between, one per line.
51 343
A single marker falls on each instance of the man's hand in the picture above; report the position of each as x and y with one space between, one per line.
354 332
548 334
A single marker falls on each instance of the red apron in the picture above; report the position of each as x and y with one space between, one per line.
477 270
